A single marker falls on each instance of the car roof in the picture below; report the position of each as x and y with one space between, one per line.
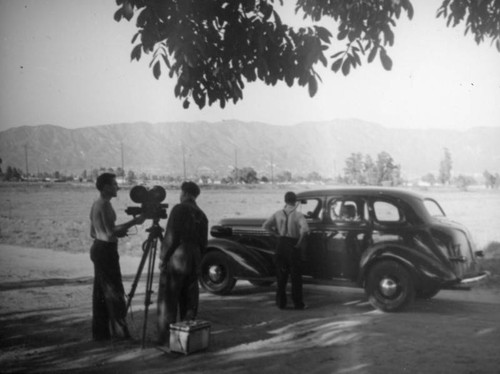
362 191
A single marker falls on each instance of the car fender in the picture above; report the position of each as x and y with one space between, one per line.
424 269
247 261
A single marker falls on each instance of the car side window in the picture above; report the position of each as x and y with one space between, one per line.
311 209
386 212
347 210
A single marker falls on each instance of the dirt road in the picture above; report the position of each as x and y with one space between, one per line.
45 327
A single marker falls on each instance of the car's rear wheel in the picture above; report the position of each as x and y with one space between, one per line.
216 273
389 286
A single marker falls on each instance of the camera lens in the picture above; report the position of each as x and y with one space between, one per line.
157 194
139 194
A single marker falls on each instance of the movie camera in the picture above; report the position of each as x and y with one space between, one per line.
150 200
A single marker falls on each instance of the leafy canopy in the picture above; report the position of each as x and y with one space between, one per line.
213 47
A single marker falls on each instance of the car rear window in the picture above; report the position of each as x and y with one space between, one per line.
386 212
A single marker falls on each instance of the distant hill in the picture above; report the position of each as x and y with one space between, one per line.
214 148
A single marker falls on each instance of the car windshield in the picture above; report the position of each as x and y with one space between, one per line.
433 208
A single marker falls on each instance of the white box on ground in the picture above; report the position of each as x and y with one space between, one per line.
189 336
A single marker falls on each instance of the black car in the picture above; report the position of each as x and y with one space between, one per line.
394 243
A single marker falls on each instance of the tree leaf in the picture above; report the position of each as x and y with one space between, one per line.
386 60
372 54
342 35
167 62
410 11
157 69
323 33
128 10
134 38
337 54
313 86
356 58
118 15
346 66
323 60
277 19
336 65
136 53
185 104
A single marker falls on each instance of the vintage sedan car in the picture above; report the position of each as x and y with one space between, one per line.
394 243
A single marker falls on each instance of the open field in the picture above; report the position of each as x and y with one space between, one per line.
55 216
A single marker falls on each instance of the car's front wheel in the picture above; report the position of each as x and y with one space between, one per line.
389 286
216 273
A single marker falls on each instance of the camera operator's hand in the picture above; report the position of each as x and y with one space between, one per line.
139 220
122 232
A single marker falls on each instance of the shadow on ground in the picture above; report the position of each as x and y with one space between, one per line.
248 333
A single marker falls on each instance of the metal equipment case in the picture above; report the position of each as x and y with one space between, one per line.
189 336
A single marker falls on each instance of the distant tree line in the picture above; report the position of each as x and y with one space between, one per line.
359 170
491 181
363 170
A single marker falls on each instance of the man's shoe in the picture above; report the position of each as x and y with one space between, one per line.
300 307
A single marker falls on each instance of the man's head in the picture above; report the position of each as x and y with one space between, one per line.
290 198
189 190
106 184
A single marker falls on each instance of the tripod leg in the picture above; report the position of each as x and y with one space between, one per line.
147 248
149 286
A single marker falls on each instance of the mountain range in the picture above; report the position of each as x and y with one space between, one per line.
215 148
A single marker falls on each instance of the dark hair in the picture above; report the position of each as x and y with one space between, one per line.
104 179
190 188
290 197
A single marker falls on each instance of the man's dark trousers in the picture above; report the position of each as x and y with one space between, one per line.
108 296
288 263
178 291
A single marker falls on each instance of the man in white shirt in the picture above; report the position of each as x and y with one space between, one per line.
290 226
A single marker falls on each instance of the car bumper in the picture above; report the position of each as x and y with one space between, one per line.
467 283
477 279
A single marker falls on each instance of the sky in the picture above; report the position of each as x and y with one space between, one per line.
67 63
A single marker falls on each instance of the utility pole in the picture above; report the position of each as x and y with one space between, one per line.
26 157
272 170
121 147
184 160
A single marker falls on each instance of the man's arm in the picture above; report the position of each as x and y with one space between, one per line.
107 217
303 229
204 234
270 225
121 230
172 235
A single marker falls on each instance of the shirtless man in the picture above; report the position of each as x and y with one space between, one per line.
108 298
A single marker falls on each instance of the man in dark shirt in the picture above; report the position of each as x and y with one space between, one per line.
185 238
